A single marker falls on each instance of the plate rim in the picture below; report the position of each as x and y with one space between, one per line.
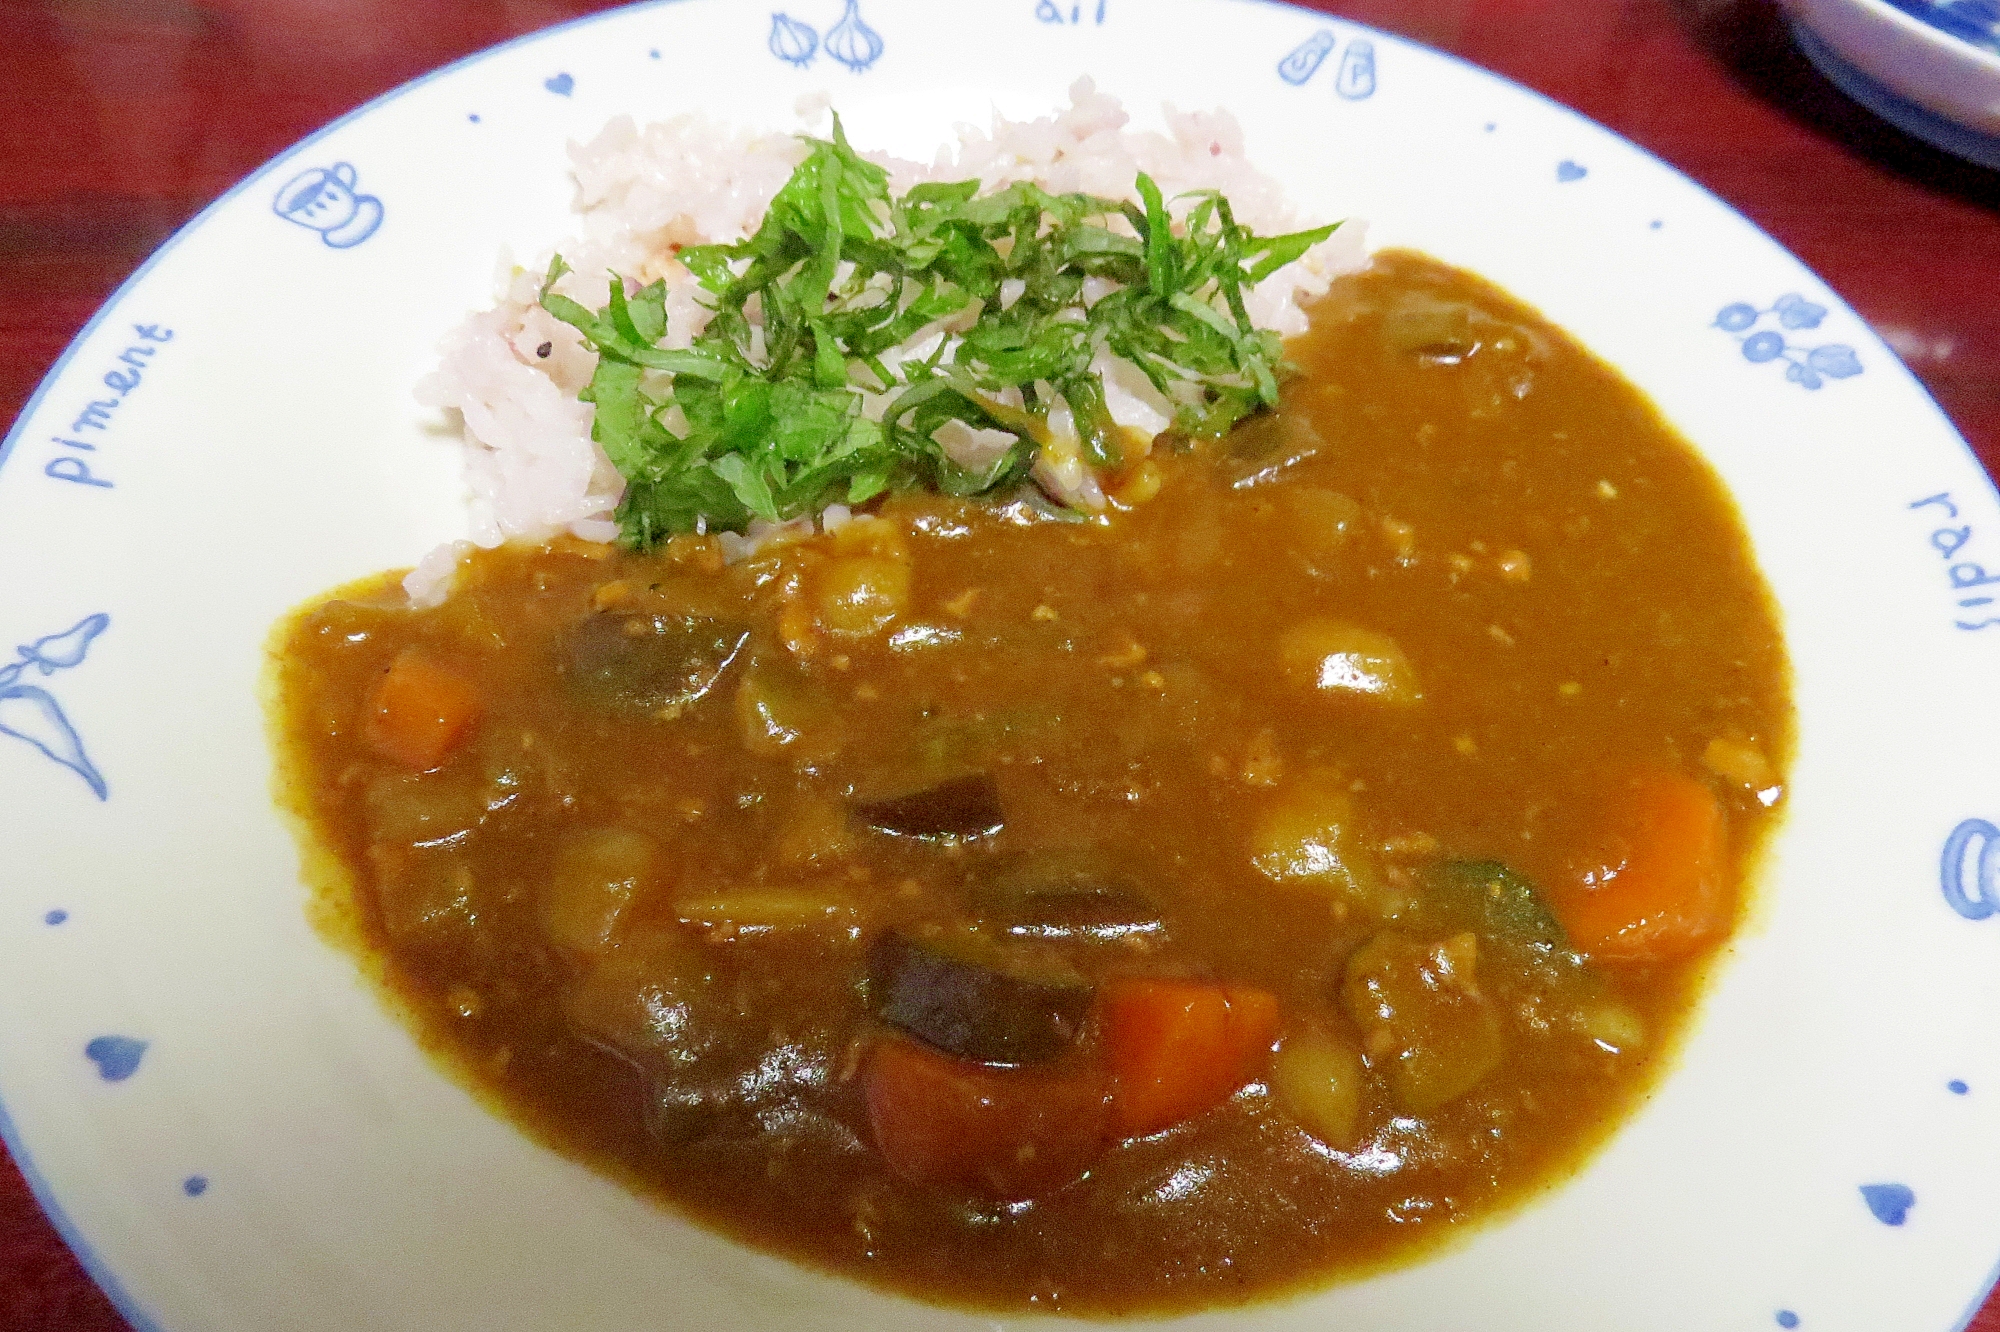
124 1301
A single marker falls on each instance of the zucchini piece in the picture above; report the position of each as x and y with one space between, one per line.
1497 901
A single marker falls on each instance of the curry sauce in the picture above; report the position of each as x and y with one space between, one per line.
1247 888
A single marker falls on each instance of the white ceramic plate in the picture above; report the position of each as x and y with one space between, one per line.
233 1133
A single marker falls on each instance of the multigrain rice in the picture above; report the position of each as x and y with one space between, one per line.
512 372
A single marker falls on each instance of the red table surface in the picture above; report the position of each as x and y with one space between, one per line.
120 119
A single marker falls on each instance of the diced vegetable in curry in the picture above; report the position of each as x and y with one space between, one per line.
1249 888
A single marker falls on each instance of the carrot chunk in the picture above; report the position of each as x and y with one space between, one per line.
1177 1048
1005 1133
419 713
1655 887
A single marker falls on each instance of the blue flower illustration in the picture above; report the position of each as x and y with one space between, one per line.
1765 346
1808 367
1795 311
29 712
793 42
852 42
1737 317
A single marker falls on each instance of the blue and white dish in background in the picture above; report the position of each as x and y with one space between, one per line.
236 1136
1929 67
1975 21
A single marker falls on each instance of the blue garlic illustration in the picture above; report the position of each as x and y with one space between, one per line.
792 41
852 42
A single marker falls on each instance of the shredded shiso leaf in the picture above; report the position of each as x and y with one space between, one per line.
767 414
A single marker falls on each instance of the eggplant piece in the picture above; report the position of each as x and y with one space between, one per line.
1502 903
1266 445
958 809
972 1010
1435 332
648 663
1071 896
1441 331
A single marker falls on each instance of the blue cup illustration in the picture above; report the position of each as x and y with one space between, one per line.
324 199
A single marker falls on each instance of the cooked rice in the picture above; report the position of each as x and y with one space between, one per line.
531 466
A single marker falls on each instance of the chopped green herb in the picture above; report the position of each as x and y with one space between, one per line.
795 396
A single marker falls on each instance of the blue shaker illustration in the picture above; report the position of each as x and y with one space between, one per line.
1305 59
1355 79
324 199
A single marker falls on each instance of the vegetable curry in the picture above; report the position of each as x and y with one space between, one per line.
1241 890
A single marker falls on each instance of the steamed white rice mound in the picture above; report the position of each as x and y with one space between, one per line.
531 466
